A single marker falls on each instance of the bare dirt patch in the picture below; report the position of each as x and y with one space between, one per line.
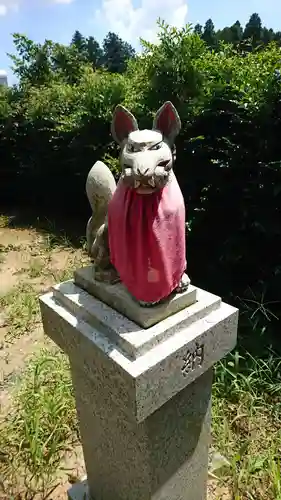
9 236
218 492
30 263
16 247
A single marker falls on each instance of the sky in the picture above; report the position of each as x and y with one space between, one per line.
131 19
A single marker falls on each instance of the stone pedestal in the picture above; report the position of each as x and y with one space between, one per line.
143 394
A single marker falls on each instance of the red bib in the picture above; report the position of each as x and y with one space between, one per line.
147 239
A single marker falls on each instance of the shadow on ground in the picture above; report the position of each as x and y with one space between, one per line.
61 226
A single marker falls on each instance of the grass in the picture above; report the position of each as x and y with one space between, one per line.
4 221
65 274
247 425
2 256
40 427
4 249
21 309
54 238
36 268
52 241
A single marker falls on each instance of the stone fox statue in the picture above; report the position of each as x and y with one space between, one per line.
137 231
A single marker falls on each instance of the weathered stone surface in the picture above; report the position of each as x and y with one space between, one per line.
119 298
143 395
155 375
163 458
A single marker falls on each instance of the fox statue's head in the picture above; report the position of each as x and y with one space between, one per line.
147 156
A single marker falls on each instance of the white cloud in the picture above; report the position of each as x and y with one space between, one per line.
7 5
3 10
131 23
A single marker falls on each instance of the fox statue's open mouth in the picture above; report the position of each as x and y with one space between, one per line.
145 186
145 189
150 183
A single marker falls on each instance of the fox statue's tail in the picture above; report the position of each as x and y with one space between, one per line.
100 186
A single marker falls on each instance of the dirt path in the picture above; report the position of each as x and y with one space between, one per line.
29 265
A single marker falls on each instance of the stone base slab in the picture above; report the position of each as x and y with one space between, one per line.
119 298
131 338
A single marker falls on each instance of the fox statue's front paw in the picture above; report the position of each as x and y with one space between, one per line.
181 288
183 284
108 275
148 304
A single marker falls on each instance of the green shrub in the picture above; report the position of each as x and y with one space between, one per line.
228 154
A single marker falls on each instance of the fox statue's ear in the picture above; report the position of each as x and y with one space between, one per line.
123 122
168 122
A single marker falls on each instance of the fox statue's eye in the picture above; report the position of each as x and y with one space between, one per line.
156 146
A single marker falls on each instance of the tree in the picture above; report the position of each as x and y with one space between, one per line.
198 29
267 35
66 62
117 53
80 43
40 64
209 34
32 63
253 30
95 53
277 37
225 35
232 34
237 32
